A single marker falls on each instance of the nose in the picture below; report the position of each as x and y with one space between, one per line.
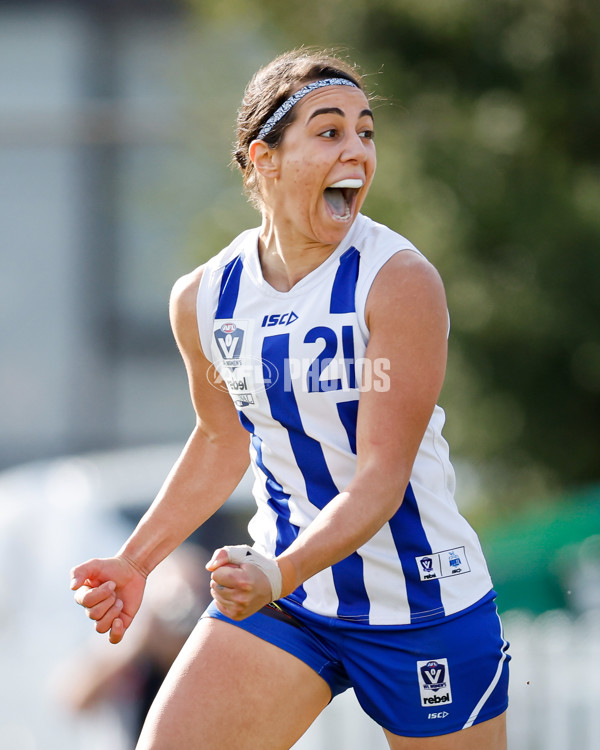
354 148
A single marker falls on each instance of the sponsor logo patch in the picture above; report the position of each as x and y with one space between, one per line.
235 369
434 682
450 562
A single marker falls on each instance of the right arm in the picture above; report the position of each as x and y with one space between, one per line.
209 468
213 460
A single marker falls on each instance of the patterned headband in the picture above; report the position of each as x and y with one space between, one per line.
280 112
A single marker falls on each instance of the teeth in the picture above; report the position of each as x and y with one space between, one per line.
348 183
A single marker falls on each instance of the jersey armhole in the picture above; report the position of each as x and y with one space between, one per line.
364 285
208 289
206 305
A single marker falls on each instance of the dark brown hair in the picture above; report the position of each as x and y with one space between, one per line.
268 89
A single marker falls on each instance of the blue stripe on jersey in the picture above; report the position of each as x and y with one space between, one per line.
278 499
349 358
230 287
320 488
424 597
348 411
308 452
344 284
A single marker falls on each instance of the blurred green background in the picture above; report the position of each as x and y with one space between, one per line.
487 132
488 149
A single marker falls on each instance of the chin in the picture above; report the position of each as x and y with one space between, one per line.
330 231
339 230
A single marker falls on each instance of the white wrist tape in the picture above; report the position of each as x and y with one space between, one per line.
241 553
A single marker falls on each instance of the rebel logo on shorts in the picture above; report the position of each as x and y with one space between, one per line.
434 682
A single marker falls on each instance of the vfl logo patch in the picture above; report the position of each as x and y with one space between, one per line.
450 562
234 368
229 338
434 682
427 566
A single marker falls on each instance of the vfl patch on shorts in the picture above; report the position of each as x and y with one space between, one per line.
434 682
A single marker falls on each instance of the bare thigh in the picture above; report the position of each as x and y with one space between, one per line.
489 735
230 689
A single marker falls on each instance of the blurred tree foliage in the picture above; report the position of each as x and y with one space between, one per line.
489 160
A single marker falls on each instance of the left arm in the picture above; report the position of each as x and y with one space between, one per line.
408 322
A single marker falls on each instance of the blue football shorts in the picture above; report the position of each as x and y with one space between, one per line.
415 681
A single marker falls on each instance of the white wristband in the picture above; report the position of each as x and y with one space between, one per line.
239 554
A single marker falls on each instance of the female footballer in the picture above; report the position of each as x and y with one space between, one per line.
315 347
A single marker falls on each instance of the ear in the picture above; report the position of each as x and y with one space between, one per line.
264 158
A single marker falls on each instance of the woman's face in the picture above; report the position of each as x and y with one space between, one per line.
330 141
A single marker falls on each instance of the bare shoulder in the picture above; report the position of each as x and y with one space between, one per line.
407 284
406 272
182 308
185 290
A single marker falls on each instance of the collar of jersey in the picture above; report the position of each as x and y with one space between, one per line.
252 263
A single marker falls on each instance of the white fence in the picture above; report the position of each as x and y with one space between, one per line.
555 690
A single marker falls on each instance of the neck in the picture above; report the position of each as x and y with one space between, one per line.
285 257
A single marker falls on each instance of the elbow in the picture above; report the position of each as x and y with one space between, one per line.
389 489
221 441
393 500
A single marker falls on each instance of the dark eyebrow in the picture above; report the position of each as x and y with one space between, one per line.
337 111
327 111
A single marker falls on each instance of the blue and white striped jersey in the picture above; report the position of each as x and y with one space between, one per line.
294 363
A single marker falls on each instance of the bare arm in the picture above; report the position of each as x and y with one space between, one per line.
207 471
213 460
407 319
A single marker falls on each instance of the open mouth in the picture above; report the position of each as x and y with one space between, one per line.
341 197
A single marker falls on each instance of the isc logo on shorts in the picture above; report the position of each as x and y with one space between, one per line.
434 682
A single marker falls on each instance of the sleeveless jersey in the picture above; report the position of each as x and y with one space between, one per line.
293 363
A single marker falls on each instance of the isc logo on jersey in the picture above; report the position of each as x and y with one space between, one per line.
279 319
434 682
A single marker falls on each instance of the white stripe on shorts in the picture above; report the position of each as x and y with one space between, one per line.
493 683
